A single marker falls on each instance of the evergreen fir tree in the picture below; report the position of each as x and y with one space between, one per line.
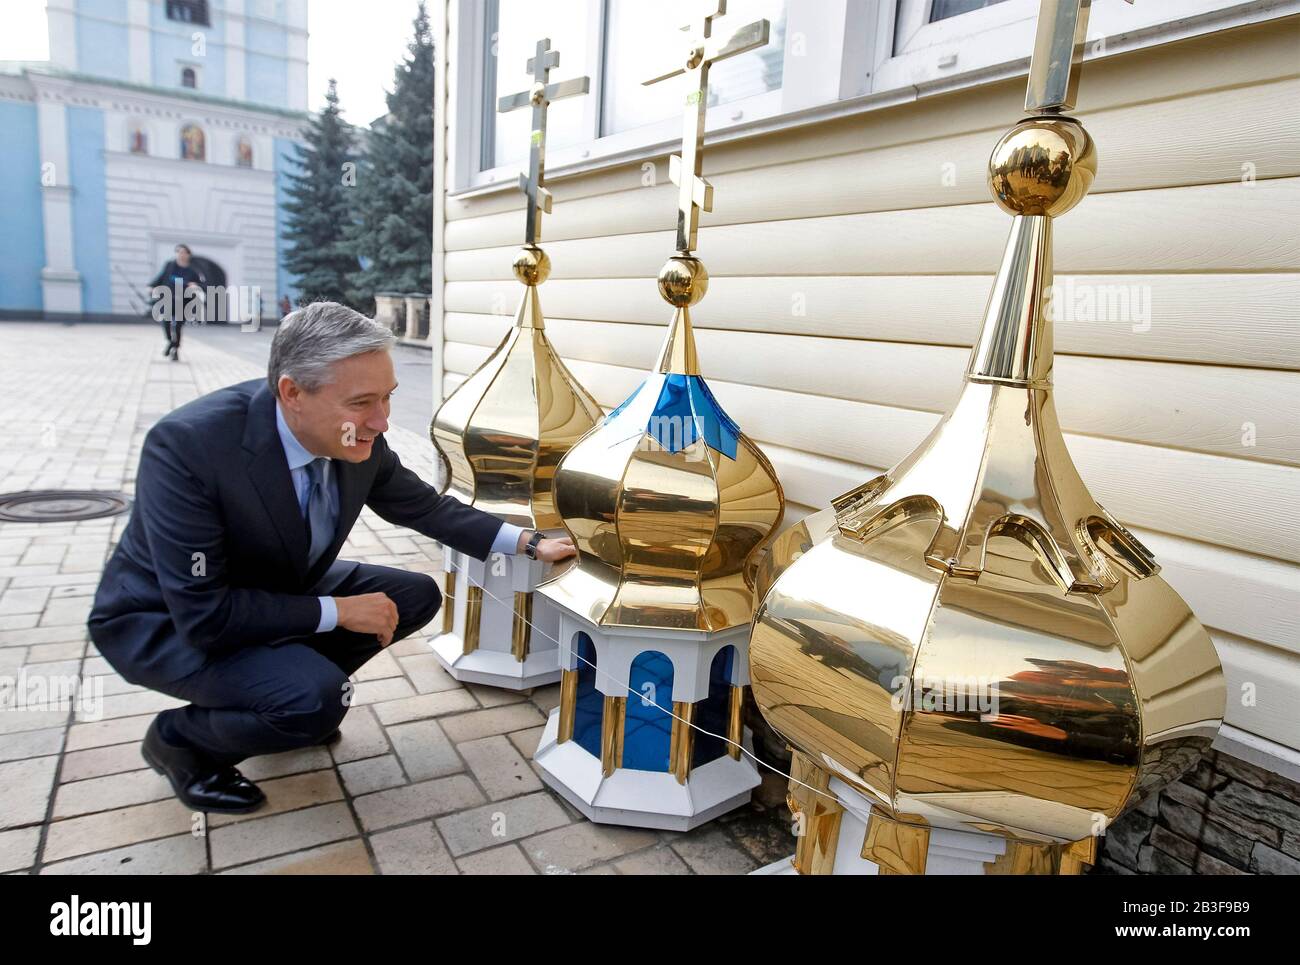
319 208
392 233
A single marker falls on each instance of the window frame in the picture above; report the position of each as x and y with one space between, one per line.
856 56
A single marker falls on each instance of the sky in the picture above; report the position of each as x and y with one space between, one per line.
358 44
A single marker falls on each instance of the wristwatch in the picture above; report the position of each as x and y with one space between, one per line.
530 548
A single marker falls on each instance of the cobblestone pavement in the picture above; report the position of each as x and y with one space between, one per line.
425 765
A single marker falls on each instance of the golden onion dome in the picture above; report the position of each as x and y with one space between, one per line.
504 430
970 640
667 500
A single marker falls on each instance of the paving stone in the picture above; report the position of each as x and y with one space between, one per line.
709 851
577 846
410 646
289 794
110 792
100 761
373 691
259 838
113 829
372 774
426 672
25 788
43 652
505 860
494 696
500 822
24 600
183 854
285 763
424 705
546 698
31 743
526 741
361 737
499 768
379 666
661 860
400 805
18 721
413 850
103 732
344 858
424 750
496 720
18 848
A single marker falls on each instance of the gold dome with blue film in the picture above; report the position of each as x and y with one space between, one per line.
669 504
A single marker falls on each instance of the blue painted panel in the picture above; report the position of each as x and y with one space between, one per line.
648 727
589 707
89 206
22 240
267 80
103 44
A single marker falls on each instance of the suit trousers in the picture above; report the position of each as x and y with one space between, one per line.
294 692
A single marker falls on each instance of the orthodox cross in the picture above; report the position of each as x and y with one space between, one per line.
702 50
540 96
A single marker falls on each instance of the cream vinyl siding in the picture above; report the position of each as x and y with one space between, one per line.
848 284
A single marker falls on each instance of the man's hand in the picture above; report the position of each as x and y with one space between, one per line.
549 550
368 613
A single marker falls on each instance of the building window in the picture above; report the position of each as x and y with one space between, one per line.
513 28
244 153
618 43
188 78
943 9
189 11
640 39
193 145
817 55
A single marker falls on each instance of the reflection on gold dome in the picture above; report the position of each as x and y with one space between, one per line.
981 565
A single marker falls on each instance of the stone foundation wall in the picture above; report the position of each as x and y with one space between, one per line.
1225 817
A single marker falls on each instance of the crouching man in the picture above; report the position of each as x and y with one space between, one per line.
226 589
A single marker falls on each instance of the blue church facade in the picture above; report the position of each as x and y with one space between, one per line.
154 123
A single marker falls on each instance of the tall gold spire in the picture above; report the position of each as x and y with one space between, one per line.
503 431
969 641
667 500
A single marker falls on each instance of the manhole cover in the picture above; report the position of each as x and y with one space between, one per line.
60 505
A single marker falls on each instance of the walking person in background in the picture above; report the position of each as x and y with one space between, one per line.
177 278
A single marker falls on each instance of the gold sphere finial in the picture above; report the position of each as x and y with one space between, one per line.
683 280
532 266
1043 165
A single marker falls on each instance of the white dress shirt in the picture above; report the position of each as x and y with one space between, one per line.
506 541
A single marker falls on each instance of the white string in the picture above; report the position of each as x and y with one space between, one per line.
691 724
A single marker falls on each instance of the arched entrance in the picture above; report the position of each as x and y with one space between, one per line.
216 309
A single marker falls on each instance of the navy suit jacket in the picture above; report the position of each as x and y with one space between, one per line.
214 556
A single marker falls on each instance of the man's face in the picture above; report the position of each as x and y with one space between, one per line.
182 257
342 417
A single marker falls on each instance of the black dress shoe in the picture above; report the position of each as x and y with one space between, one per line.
167 349
198 783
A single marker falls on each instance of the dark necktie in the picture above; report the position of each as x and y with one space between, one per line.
320 510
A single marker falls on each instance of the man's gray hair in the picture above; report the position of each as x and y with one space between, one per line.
310 340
